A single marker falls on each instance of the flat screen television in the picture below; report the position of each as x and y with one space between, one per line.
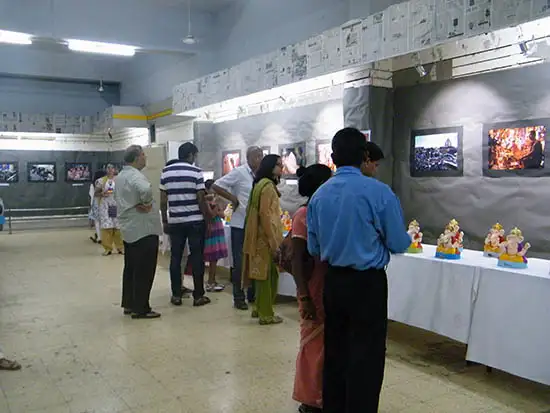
78 172
515 148
9 172
436 152
41 172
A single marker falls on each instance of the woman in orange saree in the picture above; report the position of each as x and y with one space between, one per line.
309 273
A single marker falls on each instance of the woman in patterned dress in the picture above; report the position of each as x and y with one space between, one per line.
108 221
215 247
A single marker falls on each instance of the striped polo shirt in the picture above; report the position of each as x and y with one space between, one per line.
182 181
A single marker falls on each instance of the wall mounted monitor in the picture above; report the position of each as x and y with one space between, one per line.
516 148
293 156
436 152
9 172
102 166
78 172
41 172
230 161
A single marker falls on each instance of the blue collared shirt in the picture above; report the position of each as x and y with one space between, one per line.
355 221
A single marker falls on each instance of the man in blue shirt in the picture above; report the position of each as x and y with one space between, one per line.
354 223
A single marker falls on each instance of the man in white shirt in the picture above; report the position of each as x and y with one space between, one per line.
236 187
184 215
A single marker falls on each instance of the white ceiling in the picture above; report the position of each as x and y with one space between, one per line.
208 6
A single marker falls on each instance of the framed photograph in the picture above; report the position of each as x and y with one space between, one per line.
323 152
41 172
230 161
9 172
436 152
293 156
78 172
516 148
266 150
102 166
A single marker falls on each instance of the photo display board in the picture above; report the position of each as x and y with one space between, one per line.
436 152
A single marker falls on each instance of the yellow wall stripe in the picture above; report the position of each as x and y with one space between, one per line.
154 116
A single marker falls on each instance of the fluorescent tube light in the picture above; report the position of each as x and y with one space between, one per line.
101 48
15 37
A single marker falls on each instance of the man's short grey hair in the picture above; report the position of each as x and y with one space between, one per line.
132 153
252 149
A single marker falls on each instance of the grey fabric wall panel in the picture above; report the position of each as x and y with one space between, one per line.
475 201
57 194
369 107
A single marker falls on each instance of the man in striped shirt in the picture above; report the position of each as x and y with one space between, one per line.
184 215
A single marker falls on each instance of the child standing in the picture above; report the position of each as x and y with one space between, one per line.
215 247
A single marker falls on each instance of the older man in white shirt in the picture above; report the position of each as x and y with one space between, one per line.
236 187
140 226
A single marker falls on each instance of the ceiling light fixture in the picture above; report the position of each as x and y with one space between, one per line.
15 37
421 70
189 39
113 49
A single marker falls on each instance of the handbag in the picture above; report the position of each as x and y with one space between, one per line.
111 211
284 255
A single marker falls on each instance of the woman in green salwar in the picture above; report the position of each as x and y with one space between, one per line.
263 237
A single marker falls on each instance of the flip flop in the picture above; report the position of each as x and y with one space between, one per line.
10 365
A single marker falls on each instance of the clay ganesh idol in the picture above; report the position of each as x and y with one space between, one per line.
449 244
493 241
513 250
416 237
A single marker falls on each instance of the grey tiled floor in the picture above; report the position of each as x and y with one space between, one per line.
59 316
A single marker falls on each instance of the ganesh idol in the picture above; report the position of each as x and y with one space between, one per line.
416 237
449 244
513 250
493 241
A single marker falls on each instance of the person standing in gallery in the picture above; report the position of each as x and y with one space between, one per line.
236 187
354 223
309 274
108 220
94 207
370 167
140 227
535 157
184 213
263 237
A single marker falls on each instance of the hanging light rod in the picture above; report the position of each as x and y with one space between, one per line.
15 37
112 49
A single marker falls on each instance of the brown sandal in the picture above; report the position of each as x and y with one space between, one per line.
10 365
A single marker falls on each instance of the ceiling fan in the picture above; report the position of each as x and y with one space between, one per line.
189 39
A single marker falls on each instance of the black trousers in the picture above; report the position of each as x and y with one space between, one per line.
195 232
356 310
140 264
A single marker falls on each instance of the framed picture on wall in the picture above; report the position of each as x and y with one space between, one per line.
516 148
102 166
78 172
41 172
323 153
293 156
266 150
436 152
230 161
9 172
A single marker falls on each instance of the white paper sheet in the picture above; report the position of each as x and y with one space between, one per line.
270 70
235 81
508 13
285 66
372 41
332 50
478 16
396 30
351 43
299 61
422 24
315 65
449 19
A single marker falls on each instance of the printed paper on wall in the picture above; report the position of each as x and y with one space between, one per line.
299 61
332 50
284 64
478 16
270 70
508 13
351 43
372 42
449 19
396 30
315 65
422 23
